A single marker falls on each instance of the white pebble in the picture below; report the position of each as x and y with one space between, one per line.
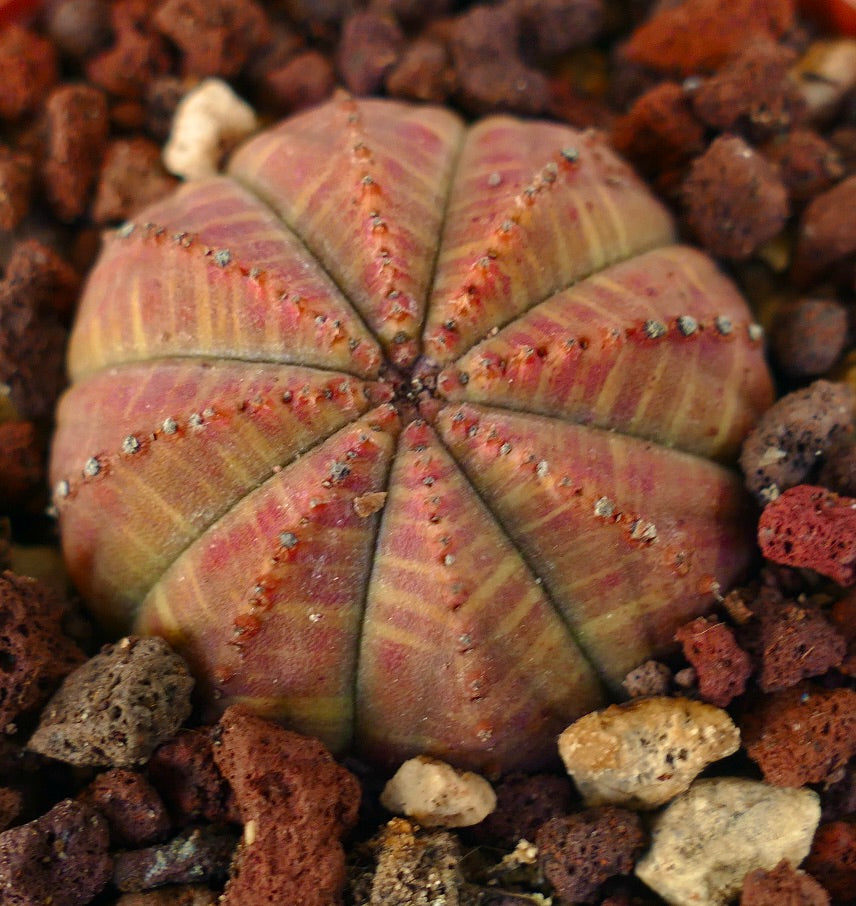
645 752
435 794
706 841
208 122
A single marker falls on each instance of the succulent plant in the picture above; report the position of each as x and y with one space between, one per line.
412 435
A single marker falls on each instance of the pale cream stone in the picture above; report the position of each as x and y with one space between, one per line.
825 74
645 752
705 842
208 122
435 794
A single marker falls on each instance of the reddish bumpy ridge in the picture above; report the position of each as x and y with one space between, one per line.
408 434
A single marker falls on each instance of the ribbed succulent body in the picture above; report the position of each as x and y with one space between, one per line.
406 433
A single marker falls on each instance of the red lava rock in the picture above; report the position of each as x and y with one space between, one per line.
660 131
795 642
490 75
808 336
136 58
553 27
34 650
700 35
16 170
782 886
843 616
305 80
791 437
752 93
133 809
77 127
60 858
734 200
509 86
117 707
28 69
11 801
801 735
79 28
827 232
198 854
808 164
216 37
132 176
370 46
49 280
296 802
721 665
812 528
21 462
423 73
832 859
183 771
577 853
32 350
523 803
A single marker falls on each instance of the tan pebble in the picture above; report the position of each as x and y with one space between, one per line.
209 121
435 794
645 752
825 74
706 841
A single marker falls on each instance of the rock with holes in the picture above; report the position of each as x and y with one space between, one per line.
396 399
644 753
117 707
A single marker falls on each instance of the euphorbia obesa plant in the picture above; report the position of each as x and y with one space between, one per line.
406 433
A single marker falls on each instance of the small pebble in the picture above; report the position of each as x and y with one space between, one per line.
437 795
645 752
117 707
209 121
709 838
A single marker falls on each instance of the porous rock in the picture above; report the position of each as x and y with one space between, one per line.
643 753
117 707
296 802
707 840
721 665
782 886
60 858
795 641
813 528
753 92
802 735
792 436
197 854
34 650
734 200
437 795
183 771
827 233
649 678
832 859
579 852
809 336
523 803
415 867
134 811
